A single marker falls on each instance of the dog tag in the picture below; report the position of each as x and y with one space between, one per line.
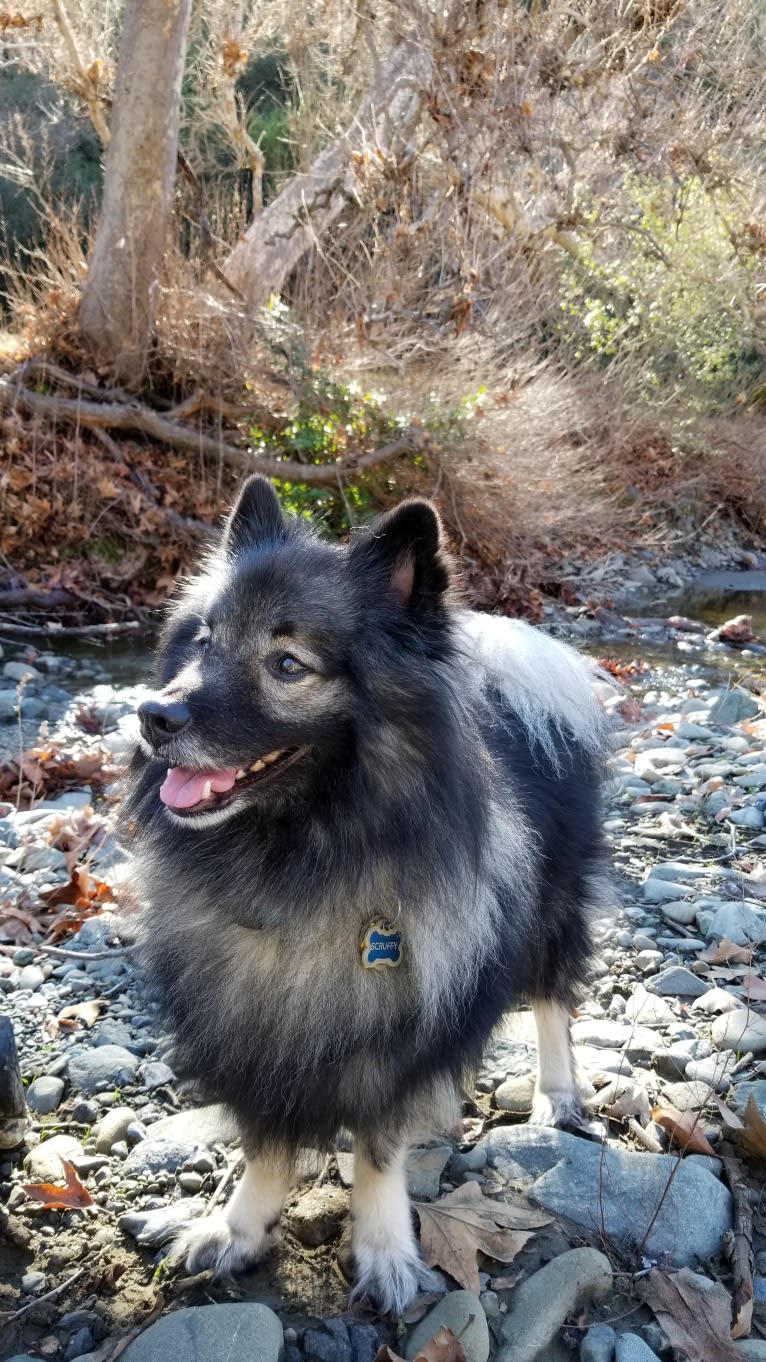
381 945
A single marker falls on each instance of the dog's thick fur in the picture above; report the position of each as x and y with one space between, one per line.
442 771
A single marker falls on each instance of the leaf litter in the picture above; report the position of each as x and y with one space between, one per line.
694 1314
465 1222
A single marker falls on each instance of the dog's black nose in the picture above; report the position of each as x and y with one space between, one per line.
161 722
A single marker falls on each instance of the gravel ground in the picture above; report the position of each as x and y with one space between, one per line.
664 1025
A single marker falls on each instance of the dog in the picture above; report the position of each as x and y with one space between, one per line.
365 824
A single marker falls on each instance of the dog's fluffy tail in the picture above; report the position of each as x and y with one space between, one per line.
550 687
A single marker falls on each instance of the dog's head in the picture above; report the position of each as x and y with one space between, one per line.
280 654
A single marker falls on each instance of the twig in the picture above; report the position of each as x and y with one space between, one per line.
236 1160
46 1297
742 1260
132 416
54 630
88 87
644 1137
62 954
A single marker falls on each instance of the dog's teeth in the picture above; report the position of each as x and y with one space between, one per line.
240 775
257 766
272 756
207 789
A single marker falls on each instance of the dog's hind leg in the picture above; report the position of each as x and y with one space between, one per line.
557 1098
389 1269
233 1239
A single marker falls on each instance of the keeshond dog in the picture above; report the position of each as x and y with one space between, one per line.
365 824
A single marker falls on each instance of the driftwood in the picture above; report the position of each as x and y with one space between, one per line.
13 1108
101 416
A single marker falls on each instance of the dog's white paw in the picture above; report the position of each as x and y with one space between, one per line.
213 1242
563 1111
391 1280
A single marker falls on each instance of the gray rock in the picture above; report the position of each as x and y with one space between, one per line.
753 779
365 1341
755 1088
199 1125
460 1311
598 1344
158 1154
631 1348
647 1008
676 981
113 1032
733 707
43 1163
602 1189
85 1112
208 1333
91 1069
688 1096
752 1349
21 671
31 977
79 1344
671 1063
45 1094
715 1000
740 922
600 1032
516 1094
332 1343
112 1127
749 817
424 1169
662 891
683 914
156 1075
158 1226
714 1070
318 1215
541 1303
32 1283
741 1029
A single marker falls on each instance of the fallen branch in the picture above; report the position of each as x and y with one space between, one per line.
54 630
742 1257
37 1300
131 416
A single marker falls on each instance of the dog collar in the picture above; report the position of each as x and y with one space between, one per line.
381 945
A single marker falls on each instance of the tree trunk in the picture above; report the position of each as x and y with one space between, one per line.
311 202
119 299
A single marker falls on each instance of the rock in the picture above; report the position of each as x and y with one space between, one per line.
21 671
45 1094
460 1311
631 1348
113 1032
647 1008
209 1333
755 1088
688 1096
318 1215
752 1349
424 1169
158 1154
749 817
740 922
596 1186
714 1070
662 891
33 1283
112 1127
753 779
332 1343
541 1303
677 981
199 1125
93 1068
600 1032
651 765
516 1094
598 1344
365 1341
31 977
715 1000
157 1226
671 1063
733 707
683 914
740 1030
156 1075
43 1163
85 1112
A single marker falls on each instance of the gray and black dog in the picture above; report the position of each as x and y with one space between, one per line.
365 825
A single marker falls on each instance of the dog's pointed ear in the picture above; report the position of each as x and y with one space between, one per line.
255 518
405 549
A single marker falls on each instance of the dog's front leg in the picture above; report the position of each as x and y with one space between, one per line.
235 1238
388 1266
558 1094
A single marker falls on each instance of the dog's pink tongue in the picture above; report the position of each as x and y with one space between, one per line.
184 787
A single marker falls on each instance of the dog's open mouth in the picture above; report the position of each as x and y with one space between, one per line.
187 791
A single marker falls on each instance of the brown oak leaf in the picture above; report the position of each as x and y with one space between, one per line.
458 1225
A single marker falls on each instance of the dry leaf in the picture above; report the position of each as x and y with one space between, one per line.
730 1118
87 1013
71 1197
726 953
683 1129
752 1136
755 988
696 1321
454 1228
443 1347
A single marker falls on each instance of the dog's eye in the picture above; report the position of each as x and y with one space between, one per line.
202 637
289 667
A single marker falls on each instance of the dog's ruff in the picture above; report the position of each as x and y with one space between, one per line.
442 771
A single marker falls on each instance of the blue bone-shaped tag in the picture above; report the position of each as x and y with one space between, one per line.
381 946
